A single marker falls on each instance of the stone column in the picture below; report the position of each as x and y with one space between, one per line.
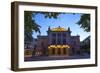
61 39
49 51
67 51
56 38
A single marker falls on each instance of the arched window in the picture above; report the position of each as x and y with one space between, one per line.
65 51
58 52
53 51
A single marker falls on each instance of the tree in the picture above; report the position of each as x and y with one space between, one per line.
84 22
30 24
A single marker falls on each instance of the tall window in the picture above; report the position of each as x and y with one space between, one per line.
53 35
59 41
59 52
59 38
64 51
53 51
59 34
64 35
53 38
64 41
53 41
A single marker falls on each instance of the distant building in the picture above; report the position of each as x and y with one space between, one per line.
85 45
29 47
58 42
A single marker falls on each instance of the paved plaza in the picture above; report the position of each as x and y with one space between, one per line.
45 58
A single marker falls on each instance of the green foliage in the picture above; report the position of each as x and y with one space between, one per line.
84 22
50 14
30 24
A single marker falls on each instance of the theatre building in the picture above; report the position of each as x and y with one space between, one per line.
58 42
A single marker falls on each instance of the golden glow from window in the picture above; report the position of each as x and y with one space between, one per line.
59 46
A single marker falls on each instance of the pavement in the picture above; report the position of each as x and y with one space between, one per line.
46 58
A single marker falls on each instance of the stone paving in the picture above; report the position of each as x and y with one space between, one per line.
45 58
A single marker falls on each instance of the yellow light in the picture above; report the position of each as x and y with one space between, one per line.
49 47
58 46
58 29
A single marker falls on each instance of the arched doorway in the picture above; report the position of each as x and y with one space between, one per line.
59 51
53 51
64 51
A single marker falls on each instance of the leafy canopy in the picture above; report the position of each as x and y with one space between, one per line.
30 24
84 22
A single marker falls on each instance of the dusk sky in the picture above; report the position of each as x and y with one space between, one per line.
63 20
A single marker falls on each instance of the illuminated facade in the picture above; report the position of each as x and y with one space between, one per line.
58 42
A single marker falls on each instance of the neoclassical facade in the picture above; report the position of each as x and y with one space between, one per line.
58 42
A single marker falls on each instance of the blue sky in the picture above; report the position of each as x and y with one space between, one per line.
63 20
